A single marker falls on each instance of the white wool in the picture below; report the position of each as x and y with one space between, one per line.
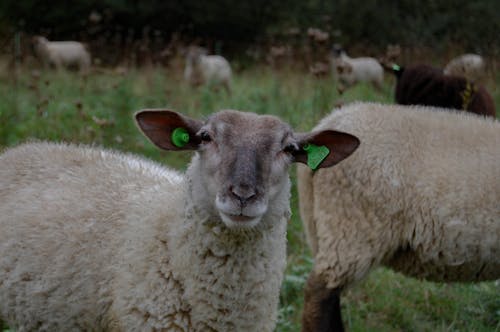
62 54
420 195
208 69
99 240
470 66
350 71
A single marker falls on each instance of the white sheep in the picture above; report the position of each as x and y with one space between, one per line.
350 71
95 240
62 54
470 66
207 69
421 195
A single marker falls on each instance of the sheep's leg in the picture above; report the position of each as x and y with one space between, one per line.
379 86
227 87
57 64
84 68
47 64
341 88
321 307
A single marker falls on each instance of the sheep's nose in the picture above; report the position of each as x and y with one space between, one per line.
242 192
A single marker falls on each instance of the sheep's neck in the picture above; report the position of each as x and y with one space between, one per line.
240 271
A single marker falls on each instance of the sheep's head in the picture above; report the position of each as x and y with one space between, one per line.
337 50
343 68
194 53
243 157
37 40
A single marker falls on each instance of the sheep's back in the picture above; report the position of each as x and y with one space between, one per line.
425 85
64 212
470 66
69 51
368 65
364 69
215 68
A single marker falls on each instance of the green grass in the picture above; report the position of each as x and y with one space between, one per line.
98 111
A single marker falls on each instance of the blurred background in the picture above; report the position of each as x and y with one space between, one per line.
138 32
280 53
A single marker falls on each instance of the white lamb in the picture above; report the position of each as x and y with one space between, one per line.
207 69
350 71
470 66
421 195
69 54
95 240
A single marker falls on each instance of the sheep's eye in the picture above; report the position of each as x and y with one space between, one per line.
205 137
290 148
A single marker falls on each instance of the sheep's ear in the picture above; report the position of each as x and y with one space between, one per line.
169 130
325 148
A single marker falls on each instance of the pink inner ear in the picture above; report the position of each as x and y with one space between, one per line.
158 126
341 146
159 118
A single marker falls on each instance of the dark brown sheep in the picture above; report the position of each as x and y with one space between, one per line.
426 85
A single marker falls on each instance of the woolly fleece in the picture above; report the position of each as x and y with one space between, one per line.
102 241
420 195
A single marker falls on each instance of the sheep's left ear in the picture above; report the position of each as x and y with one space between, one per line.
169 130
324 148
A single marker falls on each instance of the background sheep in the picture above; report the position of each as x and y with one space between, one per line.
207 69
470 66
420 196
70 54
350 71
425 85
96 240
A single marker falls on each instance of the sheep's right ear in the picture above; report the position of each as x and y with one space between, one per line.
325 148
162 128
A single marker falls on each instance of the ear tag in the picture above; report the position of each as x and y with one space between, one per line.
395 67
180 137
315 155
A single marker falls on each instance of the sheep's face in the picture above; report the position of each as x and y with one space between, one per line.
38 43
39 40
243 158
343 68
194 54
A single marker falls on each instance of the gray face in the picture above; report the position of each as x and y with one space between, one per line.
245 163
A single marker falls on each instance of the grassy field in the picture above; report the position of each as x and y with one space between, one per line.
98 111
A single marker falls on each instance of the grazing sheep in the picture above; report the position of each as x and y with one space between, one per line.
95 240
69 54
425 85
421 195
207 69
470 66
350 71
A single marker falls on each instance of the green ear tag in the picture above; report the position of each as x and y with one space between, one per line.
180 137
395 67
315 154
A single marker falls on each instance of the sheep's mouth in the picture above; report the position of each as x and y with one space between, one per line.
234 215
239 220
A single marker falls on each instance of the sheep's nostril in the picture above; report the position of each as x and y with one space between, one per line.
243 193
